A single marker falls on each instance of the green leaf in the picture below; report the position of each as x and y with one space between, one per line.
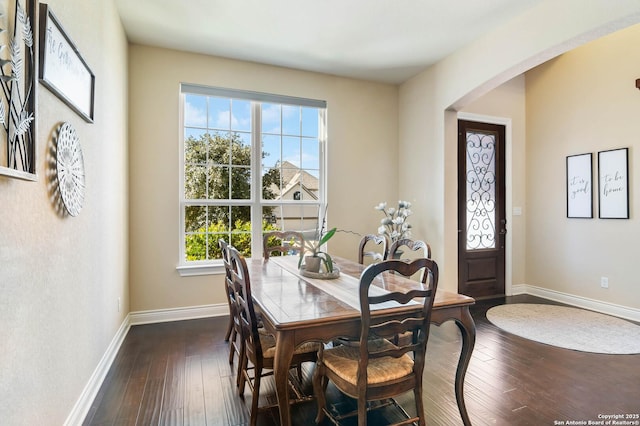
326 237
328 262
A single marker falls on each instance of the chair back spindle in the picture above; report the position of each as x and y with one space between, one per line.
283 242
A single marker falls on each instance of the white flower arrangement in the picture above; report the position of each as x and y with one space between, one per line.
394 225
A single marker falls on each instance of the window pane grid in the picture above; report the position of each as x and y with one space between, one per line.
218 179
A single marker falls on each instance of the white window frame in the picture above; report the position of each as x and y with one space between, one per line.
207 267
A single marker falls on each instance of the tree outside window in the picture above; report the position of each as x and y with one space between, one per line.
219 176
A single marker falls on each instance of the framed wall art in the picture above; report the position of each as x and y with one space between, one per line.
18 70
62 68
613 184
579 186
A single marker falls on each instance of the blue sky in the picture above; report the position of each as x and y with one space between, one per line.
289 133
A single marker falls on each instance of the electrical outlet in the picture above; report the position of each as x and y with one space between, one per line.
604 282
119 304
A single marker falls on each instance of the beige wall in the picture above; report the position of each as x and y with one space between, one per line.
61 276
428 103
363 134
583 102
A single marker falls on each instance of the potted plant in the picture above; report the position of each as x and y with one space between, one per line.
313 255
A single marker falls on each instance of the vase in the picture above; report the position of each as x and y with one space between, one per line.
312 263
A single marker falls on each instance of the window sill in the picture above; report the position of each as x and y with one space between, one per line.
204 269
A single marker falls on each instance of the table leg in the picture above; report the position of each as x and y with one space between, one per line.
468 330
282 363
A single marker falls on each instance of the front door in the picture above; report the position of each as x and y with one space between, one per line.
481 209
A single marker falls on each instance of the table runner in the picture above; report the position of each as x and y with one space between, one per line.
344 288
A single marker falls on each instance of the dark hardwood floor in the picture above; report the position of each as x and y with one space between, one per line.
178 374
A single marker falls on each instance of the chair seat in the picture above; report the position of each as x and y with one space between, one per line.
343 361
268 342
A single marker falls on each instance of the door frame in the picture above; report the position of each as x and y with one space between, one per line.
508 253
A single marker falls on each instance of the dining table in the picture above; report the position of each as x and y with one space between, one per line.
298 308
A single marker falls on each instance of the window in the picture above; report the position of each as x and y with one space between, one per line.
250 162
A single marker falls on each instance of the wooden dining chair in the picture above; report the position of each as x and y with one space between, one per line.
376 255
412 245
284 242
377 369
258 347
233 335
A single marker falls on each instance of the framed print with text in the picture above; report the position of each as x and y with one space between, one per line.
579 186
62 69
613 184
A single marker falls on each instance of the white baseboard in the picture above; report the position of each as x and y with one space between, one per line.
83 404
178 314
579 301
518 289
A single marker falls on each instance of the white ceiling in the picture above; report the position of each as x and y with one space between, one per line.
380 40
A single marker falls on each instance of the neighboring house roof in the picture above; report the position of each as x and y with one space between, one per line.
290 172
296 184
293 177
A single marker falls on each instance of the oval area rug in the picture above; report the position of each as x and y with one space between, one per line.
566 327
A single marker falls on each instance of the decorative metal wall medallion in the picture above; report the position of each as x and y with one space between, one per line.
70 169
